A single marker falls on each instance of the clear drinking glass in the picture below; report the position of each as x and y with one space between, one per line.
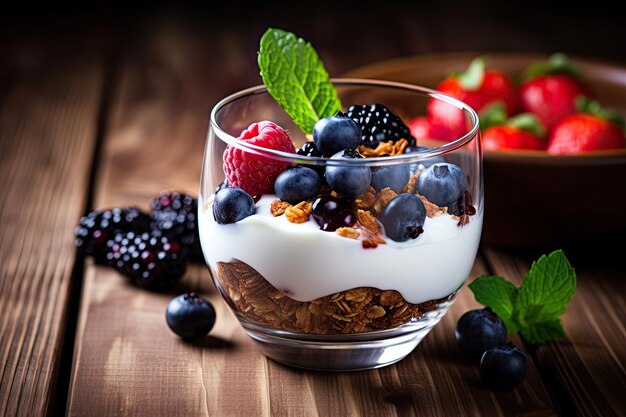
328 301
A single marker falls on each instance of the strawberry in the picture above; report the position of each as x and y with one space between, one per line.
253 173
550 90
523 131
592 129
477 87
419 127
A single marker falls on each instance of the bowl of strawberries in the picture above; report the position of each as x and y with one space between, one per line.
553 136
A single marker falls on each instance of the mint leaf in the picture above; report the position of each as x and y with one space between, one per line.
545 292
499 294
538 333
296 78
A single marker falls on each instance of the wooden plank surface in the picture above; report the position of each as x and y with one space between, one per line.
589 365
126 360
48 119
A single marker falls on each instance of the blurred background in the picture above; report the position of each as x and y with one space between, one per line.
346 34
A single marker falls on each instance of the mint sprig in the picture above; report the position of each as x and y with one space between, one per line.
296 78
534 309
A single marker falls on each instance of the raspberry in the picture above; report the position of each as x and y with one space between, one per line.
255 174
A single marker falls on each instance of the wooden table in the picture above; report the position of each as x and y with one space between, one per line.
112 113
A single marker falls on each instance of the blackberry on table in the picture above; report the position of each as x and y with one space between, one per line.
174 214
379 124
150 260
97 227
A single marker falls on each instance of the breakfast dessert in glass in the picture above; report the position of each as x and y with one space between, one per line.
336 239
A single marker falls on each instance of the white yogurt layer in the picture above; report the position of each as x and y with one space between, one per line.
307 263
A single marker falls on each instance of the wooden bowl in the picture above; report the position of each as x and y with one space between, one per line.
531 197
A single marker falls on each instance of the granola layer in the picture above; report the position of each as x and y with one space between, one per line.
357 310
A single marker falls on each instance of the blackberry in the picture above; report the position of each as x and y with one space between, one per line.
175 216
96 228
379 124
309 149
150 260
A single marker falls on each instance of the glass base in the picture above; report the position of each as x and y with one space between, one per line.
339 352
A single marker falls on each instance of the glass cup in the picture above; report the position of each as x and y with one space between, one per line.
364 292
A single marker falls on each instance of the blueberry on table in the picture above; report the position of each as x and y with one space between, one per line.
348 181
442 184
232 204
297 184
393 176
335 133
479 330
503 366
403 217
190 316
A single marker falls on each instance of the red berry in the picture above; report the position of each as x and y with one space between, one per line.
551 97
509 137
580 133
447 122
419 127
253 173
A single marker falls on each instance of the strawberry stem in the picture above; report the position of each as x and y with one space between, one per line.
473 76
558 63
589 106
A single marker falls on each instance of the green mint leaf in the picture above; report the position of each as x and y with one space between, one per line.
474 75
538 333
296 78
499 294
545 291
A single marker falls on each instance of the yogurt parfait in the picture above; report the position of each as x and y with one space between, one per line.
335 238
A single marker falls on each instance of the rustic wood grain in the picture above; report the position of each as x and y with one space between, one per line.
590 362
48 124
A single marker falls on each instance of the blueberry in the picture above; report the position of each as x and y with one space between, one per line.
190 316
426 162
331 213
335 133
442 184
232 204
349 181
393 176
503 366
297 184
479 330
403 217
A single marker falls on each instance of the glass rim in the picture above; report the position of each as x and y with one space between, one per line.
375 161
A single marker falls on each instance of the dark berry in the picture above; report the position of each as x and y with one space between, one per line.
442 184
479 330
149 260
297 184
331 213
425 162
232 204
309 149
503 367
175 214
190 316
403 217
96 228
348 181
335 133
393 176
379 124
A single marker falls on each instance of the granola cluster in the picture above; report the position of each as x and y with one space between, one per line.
357 310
